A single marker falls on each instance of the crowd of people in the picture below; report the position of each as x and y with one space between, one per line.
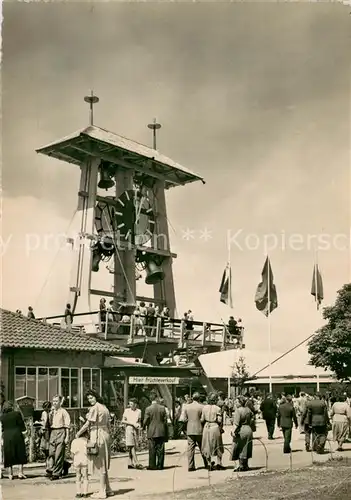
200 418
314 416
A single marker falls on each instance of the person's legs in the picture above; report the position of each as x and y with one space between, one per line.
85 481
199 443
191 452
160 453
79 481
130 457
307 431
152 454
287 439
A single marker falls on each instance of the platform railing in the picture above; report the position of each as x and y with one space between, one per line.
113 325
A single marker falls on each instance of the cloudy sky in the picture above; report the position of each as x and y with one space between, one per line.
253 97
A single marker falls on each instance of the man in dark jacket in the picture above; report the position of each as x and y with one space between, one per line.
286 417
269 413
155 420
316 416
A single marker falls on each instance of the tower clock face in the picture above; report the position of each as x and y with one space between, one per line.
105 218
132 213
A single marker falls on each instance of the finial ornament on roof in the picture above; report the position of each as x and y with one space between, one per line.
154 126
91 99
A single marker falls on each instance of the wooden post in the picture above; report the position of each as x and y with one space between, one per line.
132 329
158 329
126 391
182 331
31 439
204 326
224 337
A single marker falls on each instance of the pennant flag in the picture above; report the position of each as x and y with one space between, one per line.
266 291
225 289
317 286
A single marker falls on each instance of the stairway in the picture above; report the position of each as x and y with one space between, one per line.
166 394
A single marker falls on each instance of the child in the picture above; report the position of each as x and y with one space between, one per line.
80 462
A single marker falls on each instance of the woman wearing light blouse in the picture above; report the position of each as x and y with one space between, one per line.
341 416
98 424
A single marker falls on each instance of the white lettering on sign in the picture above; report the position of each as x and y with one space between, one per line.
154 380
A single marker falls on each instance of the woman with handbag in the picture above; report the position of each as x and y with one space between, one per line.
98 448
242 434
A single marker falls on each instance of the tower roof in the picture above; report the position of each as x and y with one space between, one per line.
98 142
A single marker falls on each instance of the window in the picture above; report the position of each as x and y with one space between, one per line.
91 379
42 383
69 387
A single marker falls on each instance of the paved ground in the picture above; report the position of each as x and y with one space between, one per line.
130 484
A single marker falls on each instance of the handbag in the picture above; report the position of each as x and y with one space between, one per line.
93 448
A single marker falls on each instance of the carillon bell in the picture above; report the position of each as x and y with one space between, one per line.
154 273
105 182
97 256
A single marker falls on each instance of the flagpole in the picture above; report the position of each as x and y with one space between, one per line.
269 327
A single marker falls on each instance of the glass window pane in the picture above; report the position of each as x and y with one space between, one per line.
96 380
74 372
64 372
53 382
86 385
20 382
65 392
31 383
74 393
43 390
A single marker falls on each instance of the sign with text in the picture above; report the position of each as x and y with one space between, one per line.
154 380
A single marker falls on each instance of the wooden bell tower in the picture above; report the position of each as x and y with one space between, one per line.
122 216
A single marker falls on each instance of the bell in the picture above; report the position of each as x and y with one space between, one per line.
154 273
105 179
97 256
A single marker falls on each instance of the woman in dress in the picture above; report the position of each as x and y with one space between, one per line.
14 448
341 416
212 444
98 424
242 434
132 420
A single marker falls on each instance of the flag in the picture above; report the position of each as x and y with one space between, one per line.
317 286
266 291
225 289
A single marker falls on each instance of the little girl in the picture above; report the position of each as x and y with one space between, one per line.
80 462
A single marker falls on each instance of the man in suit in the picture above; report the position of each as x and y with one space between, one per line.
316 417
155 420
191 415
286 417
269 413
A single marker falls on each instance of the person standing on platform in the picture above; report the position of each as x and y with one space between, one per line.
286 418
191 415
155 420
59 421
269 414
